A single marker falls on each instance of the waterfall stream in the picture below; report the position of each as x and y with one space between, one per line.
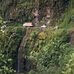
21 52
18 70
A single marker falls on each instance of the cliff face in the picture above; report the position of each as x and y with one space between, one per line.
22 10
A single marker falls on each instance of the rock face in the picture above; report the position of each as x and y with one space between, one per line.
48 15
36 14
47 18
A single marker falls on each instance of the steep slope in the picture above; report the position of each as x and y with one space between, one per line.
20 53
42 50
67 19
21 11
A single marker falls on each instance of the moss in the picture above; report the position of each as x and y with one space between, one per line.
67 20
42 35
72 12
32 72
1 18
48 39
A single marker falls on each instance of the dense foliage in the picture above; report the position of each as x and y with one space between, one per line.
47 51
10 39
4 66
21 10
43 51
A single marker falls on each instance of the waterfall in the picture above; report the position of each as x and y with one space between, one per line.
18 70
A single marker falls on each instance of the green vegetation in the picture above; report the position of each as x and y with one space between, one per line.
67 19
1 18
49 52
10 39
22 11
4 66
44 50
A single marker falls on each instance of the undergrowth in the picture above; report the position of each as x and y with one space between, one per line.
49 52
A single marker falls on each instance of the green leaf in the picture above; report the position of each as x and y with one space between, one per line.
14 70
70 60
63 72
9 59
6 68
69 70
1 70
4 61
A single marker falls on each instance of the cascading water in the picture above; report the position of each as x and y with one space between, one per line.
18 70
